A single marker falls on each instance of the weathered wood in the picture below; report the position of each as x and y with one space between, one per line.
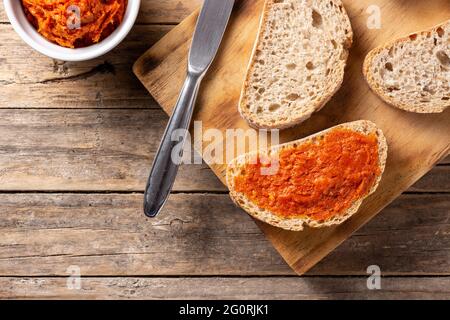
225 288
31 80
202 234
109 235
102 150
416 142
86 150
399 240
437 180
154 11
166 11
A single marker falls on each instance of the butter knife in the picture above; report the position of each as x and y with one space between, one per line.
208 35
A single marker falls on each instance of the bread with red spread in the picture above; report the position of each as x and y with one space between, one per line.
297 63
239 167
413 73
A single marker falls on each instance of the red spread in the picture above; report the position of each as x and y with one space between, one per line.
319 179
75 23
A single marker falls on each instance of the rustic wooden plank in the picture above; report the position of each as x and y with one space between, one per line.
412 235
109 235
286 288
202 234
166 11
105 82
103 149
154 11
437 180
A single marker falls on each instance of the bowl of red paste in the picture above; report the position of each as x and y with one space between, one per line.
72 30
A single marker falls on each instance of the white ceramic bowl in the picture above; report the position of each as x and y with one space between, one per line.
29 34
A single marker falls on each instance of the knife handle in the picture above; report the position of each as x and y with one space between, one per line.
164 169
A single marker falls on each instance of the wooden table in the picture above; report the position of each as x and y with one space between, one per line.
76 145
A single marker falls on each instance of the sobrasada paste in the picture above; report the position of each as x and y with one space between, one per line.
75 23
318 179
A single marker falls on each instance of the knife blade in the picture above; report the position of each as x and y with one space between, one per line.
209 32
211 26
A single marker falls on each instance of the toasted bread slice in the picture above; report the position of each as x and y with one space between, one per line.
296 224
413 73
297 63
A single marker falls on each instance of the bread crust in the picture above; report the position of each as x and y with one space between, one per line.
376 87
257 123
297 224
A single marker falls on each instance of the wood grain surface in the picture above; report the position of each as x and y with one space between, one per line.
155 11
105 82
107 235
416 142
76 141
86 150
103 150
288 288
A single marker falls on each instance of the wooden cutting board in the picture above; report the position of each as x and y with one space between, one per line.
416 142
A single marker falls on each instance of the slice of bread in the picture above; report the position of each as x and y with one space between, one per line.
296 224
297 63
413 73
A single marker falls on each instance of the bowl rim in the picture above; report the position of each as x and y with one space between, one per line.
39 43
